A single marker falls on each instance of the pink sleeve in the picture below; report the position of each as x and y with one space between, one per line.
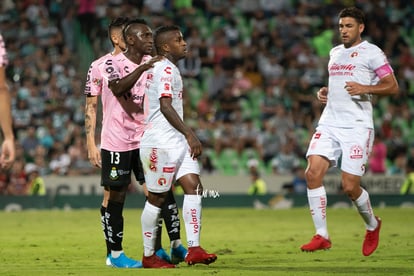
384 70
93 84
4 61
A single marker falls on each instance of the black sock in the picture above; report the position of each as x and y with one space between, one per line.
115 224
104 229
158 244
169 212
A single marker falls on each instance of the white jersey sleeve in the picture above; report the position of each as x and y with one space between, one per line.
164 80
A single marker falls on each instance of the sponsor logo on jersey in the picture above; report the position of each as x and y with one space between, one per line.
162 181
168 79
167 70
97 82
168 169
317 135
153 160
342 67
166 86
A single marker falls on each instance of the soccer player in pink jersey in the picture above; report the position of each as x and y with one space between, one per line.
96 86
7 150
122 123
357 70
169 150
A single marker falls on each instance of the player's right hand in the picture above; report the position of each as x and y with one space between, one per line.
322 95
94 156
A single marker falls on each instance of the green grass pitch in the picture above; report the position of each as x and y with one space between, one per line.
247 241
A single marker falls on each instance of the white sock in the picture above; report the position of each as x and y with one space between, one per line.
149 223
192 219
317 204
116 254
363 204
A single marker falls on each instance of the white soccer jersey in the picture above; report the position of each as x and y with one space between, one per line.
164 80
364 64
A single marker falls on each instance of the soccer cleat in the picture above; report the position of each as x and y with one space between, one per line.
317 243
124 262
197 255
178 254
163 255
108 260
154 261
371 239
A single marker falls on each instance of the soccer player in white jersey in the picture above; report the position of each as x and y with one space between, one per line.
169 150
357 70
7 149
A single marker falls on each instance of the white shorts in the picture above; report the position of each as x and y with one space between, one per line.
352 145
163 166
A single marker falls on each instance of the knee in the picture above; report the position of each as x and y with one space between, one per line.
312 175
351 190
158 199
117 196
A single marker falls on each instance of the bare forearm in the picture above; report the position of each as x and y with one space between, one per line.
90 119
120 86
386 86
174 119
6 117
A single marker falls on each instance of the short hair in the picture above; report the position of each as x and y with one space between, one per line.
117 23
159 38
353 12
130 22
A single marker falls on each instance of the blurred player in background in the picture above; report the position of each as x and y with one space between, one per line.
7 150
169 151
357 70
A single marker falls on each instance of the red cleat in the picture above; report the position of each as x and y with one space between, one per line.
317 243
154 261
371 239
197 255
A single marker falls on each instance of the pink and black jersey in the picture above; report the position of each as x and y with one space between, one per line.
364 63
123 117
4 61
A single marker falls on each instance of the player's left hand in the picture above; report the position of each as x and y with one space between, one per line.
196 148
150 63
354 88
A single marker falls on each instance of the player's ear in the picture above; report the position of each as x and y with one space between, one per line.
165 48
361 28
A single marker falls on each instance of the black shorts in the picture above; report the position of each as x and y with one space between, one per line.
117 167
